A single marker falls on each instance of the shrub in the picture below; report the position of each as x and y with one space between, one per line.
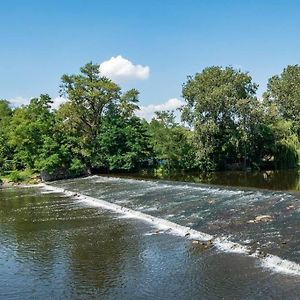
19 176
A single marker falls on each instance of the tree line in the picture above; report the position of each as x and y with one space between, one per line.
223 126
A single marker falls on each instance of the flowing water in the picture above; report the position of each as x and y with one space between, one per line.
58 245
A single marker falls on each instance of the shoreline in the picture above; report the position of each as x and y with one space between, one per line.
273 180
10 184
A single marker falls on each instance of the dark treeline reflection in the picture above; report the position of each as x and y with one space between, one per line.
52 238
288 180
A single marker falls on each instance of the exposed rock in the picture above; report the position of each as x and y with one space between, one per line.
263 218
254 247
61 173
261 254
290 207
204 245
260 219
251 221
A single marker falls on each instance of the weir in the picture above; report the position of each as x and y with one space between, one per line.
269 261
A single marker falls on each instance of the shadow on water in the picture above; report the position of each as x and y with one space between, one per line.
281 180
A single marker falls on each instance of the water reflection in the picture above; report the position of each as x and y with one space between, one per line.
55 247
288 180
48 237
97 254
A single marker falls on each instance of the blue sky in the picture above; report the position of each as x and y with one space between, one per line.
41 40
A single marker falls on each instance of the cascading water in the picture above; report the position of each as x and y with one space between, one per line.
112 238
225 215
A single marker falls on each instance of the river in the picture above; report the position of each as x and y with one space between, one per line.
57 245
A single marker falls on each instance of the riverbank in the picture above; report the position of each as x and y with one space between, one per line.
277 180
19 177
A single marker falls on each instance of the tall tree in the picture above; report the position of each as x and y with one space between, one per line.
88 95
5 118
218 102
123 142
129 103
284 92
29 127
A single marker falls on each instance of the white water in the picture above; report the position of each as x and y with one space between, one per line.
271 262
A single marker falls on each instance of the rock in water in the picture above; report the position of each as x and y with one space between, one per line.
251 221
263 218
204 245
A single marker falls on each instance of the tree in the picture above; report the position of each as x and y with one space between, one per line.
286 145
123 139
284 92
172 144
88 95
29 127
219 103
5 150
129 103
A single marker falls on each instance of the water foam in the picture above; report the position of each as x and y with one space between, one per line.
166 185
271 262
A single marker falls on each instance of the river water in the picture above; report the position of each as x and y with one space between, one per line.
53 245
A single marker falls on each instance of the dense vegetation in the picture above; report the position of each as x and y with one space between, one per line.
223 126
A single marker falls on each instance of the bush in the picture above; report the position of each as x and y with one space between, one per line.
19 176
77 168
16 176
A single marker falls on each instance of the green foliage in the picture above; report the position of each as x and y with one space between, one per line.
20 176
29 127
220 103
172 144
284 92
5 150
88 94
77 167
224 126
123 143
286 145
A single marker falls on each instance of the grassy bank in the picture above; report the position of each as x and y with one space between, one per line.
20 176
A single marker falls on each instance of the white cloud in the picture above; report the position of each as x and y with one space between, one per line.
148 111
121 69
58 101
18 101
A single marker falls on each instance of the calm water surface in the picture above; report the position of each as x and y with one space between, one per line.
281 180
53 246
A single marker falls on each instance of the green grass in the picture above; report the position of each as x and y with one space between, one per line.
20 176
